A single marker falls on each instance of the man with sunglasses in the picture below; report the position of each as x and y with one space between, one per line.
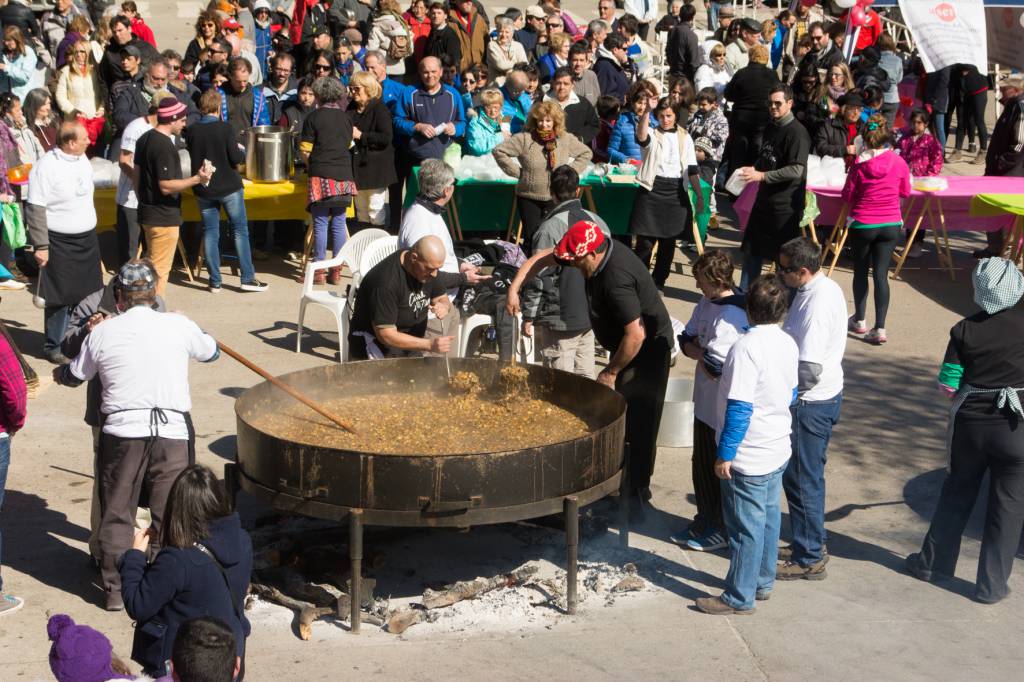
781 170
825 54
218 52
817 322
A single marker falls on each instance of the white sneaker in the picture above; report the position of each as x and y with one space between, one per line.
12 285
254 285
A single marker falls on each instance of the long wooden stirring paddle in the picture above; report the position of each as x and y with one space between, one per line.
286 388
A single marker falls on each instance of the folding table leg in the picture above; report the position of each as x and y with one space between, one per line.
942 249
902 258
184 259
829 242
307 244
512 220
837 246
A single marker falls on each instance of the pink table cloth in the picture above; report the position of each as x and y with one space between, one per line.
956 203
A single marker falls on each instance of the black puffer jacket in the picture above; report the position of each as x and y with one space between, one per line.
14 13
373 155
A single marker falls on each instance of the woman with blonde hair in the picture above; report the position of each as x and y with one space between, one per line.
78 29
17 63
392 36
838 83
557 56
373 155
488 128
504 51
541 147
79 88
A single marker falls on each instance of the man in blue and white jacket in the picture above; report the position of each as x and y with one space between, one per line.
428 119
758 385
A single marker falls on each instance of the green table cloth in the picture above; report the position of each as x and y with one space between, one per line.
486 206
996 204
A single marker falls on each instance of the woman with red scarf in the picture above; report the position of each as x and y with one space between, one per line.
531 156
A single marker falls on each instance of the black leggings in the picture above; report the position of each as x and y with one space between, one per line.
532 213
970 115
872 248
663 263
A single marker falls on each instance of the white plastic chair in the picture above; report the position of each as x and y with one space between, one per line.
475 321
351 253
354 258
376 251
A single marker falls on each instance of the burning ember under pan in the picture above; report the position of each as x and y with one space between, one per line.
293 473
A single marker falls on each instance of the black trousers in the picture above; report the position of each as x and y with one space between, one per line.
970 116
532 213
643 384
998 448
706 487
663 262
123 466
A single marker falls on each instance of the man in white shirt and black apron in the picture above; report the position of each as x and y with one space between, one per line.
61 221
141 358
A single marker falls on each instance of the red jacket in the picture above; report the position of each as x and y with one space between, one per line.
144 32
420 31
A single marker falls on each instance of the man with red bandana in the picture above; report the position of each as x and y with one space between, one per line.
629 320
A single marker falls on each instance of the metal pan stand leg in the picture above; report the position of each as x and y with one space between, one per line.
572 541
624 500
355 542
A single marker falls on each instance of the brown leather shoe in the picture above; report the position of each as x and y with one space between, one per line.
792 571
716 607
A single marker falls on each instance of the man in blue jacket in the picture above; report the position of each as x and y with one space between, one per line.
428 118
390 89
613 67
242 105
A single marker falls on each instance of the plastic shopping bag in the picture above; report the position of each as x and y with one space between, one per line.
14 227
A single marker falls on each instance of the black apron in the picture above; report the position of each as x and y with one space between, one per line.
73 271
662 212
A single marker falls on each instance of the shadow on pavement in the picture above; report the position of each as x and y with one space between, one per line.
36 544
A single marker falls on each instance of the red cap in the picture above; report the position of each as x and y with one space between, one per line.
231 24
582 238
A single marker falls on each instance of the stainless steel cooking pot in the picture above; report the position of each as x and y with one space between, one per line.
268 154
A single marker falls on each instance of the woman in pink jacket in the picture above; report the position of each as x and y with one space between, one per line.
875 187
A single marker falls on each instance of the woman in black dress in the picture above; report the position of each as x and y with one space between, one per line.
983 373
661 210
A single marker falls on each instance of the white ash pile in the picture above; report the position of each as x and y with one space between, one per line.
490 578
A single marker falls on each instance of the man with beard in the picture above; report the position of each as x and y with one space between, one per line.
132 100
242 105
280 86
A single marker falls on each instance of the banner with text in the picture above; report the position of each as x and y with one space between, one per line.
947 32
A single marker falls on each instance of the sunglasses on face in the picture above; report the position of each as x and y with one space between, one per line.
555 25
790 270
775 105
322 67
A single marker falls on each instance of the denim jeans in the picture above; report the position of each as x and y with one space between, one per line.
234 206
324 217
713 9
753 514
752 265
804 480
5 462
55 322
940 128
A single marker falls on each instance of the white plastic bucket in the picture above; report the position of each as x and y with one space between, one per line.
676 430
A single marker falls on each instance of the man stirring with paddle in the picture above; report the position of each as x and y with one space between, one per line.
631 321
146 433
